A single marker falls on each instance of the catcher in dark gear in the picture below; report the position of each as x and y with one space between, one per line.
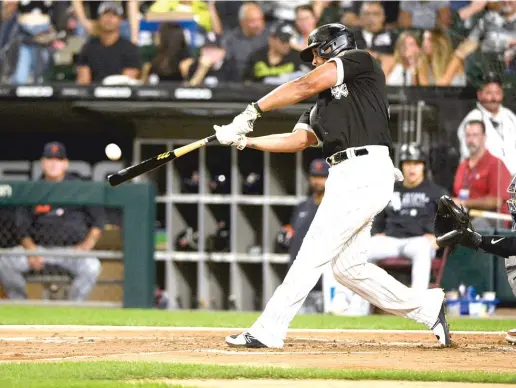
453 226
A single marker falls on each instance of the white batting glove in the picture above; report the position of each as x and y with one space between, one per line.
243 123
227 135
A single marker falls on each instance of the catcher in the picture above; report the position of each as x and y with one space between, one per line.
453 226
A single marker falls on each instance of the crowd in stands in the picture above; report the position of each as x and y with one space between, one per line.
443 43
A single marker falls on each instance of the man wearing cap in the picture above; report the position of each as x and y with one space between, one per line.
499 121
277 63
109 53
51 227
405 226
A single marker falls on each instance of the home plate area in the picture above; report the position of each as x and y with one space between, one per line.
342 349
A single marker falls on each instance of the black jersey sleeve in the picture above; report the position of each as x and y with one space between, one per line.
304 124
352 64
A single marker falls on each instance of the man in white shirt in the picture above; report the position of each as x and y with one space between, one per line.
500 123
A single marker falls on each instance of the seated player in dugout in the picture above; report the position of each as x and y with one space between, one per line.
278 62
406 226
50 227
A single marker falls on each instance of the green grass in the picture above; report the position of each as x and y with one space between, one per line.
43 315
111 373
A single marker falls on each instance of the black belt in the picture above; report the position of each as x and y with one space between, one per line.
341 156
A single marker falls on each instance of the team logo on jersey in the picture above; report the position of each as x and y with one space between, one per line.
339 91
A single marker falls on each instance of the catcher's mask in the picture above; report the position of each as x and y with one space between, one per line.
512 202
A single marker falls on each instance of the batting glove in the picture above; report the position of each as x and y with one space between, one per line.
227 135
243 123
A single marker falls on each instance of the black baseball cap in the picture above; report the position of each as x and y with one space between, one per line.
110 6
319 167
282 31
54 150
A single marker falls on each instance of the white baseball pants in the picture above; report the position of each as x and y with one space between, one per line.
356 190
419 250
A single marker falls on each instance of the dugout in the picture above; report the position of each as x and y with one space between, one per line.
145 121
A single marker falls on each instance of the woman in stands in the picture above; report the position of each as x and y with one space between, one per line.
410 66
173 58
438 50
306 22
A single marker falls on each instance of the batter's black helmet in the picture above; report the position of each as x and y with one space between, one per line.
330 40
411 152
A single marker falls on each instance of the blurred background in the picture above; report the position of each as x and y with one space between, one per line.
90 87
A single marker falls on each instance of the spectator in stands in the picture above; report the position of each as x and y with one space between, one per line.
438 50
247 39
373 36
87 13
211 66
37 33
499 122
495 35
351 15
482 179
410 67
108 54
465 15
173 58
424 15
306 22
222 15
52 227
405 226
277 63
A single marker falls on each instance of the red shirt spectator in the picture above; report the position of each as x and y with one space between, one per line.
481 180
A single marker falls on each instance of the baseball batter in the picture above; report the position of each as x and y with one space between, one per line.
350 120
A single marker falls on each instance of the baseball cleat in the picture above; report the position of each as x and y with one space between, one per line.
441 328
511 337
244 340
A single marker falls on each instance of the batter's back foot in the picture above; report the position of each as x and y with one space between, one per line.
441 328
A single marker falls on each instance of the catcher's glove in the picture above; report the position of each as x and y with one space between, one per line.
452 226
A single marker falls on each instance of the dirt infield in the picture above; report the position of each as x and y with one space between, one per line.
345 349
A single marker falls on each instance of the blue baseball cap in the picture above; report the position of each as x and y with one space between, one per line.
319 167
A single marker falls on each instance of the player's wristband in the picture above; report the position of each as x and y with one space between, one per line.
257 108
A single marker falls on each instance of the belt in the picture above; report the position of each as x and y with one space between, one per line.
348 153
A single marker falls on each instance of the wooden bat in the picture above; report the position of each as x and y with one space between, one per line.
490 215
156 161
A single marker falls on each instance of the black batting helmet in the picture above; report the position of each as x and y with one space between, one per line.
330 40
411 152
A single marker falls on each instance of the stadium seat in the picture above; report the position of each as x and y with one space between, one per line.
404 265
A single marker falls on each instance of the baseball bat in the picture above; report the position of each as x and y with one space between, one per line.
490 215
156 161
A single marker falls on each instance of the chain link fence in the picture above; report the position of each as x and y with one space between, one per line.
60 253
